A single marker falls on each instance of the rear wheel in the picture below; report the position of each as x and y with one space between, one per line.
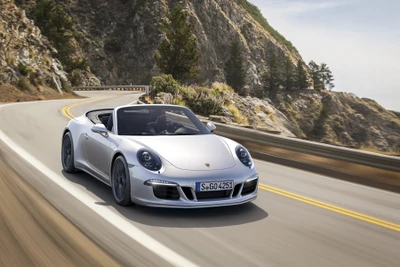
67 153
121 182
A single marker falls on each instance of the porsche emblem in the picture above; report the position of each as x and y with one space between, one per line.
207 165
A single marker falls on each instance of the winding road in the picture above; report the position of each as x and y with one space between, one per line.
298 219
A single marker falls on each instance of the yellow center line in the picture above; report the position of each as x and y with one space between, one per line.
350 213
66 110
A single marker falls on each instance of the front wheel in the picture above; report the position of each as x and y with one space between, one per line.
67 153
121 182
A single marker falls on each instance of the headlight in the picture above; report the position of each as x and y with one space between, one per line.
244 156
149 160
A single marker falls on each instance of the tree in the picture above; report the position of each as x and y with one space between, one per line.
288 73
315 71
235 70
177 53
273 79
327 77
58 27
300 80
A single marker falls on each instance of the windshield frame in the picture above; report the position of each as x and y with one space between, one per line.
187 112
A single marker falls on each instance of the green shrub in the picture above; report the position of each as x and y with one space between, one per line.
113 45
72 64
205 103
66 86
35 79
201 100
221 89
164 83
75 79
23 84
23 70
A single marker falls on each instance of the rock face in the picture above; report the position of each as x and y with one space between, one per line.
120 37
261 115
24 53
341 119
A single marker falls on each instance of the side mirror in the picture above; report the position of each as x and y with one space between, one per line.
100 129
211 126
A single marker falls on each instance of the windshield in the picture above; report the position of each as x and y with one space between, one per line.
158 120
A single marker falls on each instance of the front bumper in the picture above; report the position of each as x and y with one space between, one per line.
186 196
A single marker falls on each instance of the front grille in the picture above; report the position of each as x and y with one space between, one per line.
213 194
249 187
188 193
166 192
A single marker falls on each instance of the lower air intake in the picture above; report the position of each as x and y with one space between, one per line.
249 187
166 192
213 194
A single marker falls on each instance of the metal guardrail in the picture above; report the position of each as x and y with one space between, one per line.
145 88
375 160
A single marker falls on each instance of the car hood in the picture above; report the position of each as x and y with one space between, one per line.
193 152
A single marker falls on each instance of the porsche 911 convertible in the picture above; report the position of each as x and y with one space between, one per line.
160 156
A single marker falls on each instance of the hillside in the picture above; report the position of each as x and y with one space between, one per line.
113 42
119 37
28 69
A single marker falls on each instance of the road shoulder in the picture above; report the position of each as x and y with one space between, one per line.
34 233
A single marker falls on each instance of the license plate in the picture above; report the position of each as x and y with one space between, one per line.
214 186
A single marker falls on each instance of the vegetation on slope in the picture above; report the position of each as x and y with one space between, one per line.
58 26
255 12
177 53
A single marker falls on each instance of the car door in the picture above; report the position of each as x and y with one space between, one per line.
98 151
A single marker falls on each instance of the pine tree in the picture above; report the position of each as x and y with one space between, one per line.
177 54
316 76
288 73
301 81
327 77
273 79
235 71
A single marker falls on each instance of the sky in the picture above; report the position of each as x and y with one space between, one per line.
358 39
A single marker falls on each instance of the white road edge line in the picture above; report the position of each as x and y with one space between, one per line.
109 215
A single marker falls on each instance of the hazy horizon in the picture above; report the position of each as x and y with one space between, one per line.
359 40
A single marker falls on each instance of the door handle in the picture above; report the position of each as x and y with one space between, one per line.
86 136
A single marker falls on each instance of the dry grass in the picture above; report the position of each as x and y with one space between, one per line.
238 117
12 94
222 87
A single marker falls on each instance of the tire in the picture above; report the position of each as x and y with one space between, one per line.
121 182
67 153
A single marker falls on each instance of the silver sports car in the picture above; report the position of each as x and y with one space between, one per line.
159 155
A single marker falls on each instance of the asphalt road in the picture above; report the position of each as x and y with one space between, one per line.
278 229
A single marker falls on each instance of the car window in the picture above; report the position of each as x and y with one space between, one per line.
158 120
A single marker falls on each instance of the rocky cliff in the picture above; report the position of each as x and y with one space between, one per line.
26 57
121 36
341 119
